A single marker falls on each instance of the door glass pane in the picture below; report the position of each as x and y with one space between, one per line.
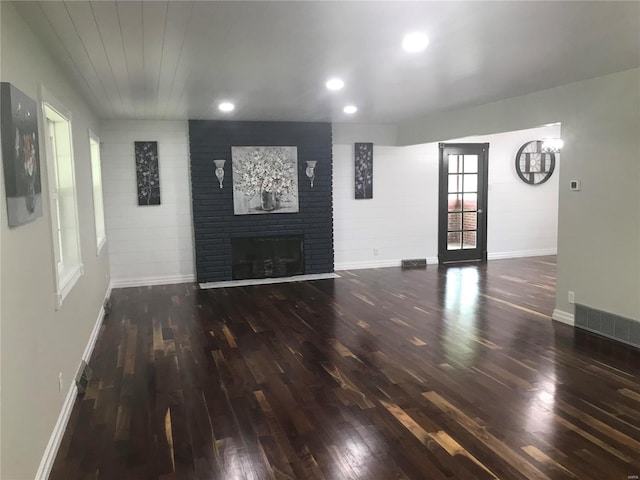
471 183
470 163
453 164
455 202
470 201
454 222
453 241
469 240
455 183
470 221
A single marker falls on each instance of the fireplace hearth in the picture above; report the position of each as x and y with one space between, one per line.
267 257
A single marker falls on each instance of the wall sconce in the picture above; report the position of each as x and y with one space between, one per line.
219 170
552 145
310 171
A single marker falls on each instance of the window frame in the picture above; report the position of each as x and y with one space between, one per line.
100 240
65 276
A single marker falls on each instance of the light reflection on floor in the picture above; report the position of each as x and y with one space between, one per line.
352 451
461 324
541 407
460 315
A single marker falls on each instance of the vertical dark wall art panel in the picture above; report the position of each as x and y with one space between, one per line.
214 222
147 173
363 160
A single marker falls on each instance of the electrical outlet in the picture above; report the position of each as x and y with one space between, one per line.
375 252
60 382
572 296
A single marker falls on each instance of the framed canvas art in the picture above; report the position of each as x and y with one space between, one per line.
265 180
20 155
147 173
363 156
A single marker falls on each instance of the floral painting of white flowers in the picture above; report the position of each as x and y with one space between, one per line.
21 159
147 173
364 170
265 180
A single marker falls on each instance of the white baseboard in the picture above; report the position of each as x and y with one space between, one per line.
49 455
377 264
522 253
434 260
96 329
563 317
46 464
152 280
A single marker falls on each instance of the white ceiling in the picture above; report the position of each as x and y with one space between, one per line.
177 59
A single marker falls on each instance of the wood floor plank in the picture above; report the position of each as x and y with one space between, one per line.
545 459
447 373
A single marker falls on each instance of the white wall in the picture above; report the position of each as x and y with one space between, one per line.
401 220
522 220
38 341
380 134
598 227
148 244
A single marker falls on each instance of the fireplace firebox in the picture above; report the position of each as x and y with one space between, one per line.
267 257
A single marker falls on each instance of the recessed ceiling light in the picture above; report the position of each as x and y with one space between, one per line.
334 84
226 107
350 109
415 42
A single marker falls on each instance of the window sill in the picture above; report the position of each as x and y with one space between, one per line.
67 280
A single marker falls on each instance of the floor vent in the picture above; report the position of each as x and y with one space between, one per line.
107 307
414 263
84 375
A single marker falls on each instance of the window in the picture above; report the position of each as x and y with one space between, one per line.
98 202
62 191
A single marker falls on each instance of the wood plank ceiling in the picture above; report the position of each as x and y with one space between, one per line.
176 60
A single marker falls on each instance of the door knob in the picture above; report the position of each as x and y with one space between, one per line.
480 210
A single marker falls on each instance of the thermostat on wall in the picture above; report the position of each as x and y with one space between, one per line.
574 185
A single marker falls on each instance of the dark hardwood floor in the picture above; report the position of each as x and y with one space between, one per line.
446 373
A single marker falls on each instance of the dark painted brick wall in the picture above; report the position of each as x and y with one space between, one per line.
213 220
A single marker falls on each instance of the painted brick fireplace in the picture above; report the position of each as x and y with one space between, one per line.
214 223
